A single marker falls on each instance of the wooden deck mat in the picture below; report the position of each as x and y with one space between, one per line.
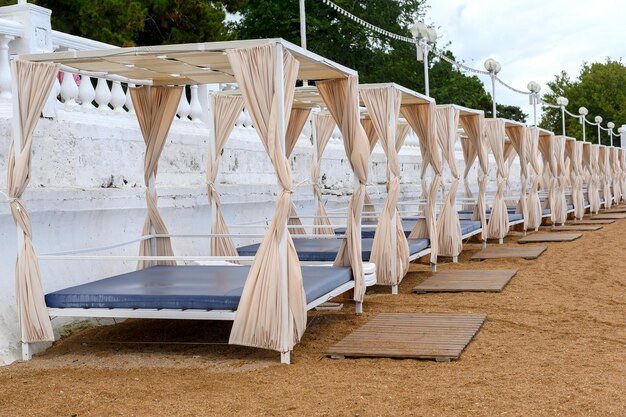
439 336
612 216
575 227
466 280
549 237
615 210
495 252
592 221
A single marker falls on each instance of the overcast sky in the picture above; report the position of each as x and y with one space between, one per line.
532 39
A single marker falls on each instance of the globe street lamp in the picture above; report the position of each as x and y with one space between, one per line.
425 37
562 102
611 125
494 68
598 120
534 89
583 112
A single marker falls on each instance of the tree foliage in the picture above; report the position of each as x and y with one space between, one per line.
376 58
599 87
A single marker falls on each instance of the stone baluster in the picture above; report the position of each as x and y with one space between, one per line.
195 106
183 107
86 93
118 98
129 100
103 95
69 91
5 67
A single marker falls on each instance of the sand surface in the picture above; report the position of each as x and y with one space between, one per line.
554 344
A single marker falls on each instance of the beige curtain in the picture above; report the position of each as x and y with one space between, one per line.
155 107
422 119
534 203
342 99
402 131
323 126
577 177
391 260
260 318
372 137
593 190
518 137
605 176
474 127
615 176
622 162
34 83
550 172
297 120
561 180
448 224
498 225
226 109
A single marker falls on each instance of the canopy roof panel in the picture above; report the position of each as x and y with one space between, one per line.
195 63
463 111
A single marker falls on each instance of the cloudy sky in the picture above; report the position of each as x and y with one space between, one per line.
532 39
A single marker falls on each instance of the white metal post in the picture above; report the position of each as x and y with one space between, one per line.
582 119
303 31
493 92
599 134
211 156
426 82
563 119
279 94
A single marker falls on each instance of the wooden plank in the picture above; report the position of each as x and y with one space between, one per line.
574 227
612 216
466 280
438 336
596 221
615 210
549 237
500 251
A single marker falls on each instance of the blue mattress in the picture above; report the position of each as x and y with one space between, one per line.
325 250
512 216
570 207
545 212
407 225
184 287
468 226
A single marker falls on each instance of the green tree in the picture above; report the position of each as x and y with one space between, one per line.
142 22
375 57
599 87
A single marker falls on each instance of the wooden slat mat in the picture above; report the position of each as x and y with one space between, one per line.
613 216
575 227
439 336
549 237
615 210
466 280
495 252
596 221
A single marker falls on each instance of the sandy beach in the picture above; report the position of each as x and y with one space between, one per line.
554 343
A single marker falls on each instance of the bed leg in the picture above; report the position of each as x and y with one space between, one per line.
27 351
500 241
455 259
433 267
484 244
285 358
394 289
358 307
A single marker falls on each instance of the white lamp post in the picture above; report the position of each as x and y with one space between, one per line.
583 112
494 68
611 125
534 89
598 120
562 102
426 37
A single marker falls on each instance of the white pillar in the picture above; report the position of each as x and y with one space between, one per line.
118 98
86 93
183 107
195 108
623 137
5 67
103 95
69 91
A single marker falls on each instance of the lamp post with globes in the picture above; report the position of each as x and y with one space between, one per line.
598 120
611 125
426 37
534 89
583 112
494 68
562 102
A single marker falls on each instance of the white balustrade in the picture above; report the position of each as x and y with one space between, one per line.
103 95
69 91
195 106
118 98
183 107
129 101
86 93
5 68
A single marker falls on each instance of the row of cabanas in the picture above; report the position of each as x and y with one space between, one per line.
276 290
